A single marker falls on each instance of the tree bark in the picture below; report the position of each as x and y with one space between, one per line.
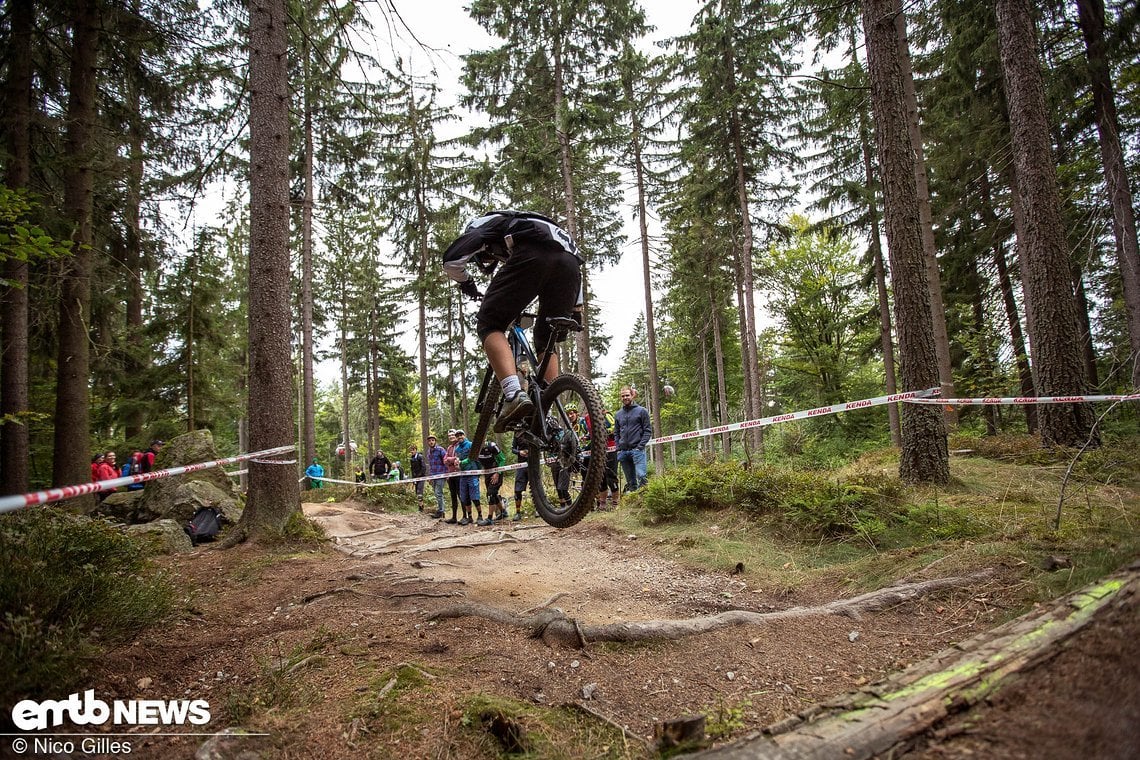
886 339
71 463
1013 319
1091 14
308 383
643 229
721 382
17 121
273 492
924 455
1054 341
566 163
926 221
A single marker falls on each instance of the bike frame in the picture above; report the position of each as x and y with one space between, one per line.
522 350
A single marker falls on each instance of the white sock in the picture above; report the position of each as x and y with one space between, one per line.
510 386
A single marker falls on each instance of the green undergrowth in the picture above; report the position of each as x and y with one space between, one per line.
861 526
69 586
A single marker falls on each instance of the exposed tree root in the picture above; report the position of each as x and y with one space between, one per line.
555 628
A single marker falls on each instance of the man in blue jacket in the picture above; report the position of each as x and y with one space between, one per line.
632 431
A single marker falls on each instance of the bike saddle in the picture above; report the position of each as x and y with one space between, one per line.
563 323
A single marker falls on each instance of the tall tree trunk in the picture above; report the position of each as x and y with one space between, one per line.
71 463
924 456
748 337
190 395
17 121
643 229
345 433
1091 14
721 385
273 491
1044 261
566 163
1013 320
929 248
748 378
986 359
136 356
422 269
308 383
886 340
1084 328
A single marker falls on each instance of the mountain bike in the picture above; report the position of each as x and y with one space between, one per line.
565 468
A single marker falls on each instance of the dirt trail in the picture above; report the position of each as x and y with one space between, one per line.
602 576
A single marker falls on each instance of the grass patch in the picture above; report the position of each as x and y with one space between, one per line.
69 586
860 527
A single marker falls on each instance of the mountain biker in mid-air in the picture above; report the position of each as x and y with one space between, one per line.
539 260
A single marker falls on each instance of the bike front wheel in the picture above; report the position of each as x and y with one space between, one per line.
566 471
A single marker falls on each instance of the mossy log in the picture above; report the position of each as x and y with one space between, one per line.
889 714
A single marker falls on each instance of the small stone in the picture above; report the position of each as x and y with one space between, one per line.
588 690
730 676
144 682
853 636
550 665
575 664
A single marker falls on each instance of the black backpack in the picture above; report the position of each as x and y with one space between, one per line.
204 525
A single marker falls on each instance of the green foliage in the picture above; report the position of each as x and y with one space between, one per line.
800 504
20 237
68 584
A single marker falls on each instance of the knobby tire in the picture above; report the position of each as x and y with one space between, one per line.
550 509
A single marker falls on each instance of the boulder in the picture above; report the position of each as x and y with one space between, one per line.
121 506
162 536
179 496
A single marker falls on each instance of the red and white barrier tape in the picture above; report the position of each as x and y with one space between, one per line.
1011 400
806 414
20 501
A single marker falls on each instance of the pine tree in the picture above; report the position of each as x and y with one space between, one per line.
924 456
1045 270
273 495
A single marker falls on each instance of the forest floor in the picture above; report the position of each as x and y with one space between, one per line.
330 653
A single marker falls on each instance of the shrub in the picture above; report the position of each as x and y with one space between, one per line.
66 581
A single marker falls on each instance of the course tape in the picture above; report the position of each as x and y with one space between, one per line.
20 501
1011 400
788 417
717 430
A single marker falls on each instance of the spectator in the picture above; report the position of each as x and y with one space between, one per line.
435 456
149 455
315 472
632 431
97 466
419 468
452 463
468 484
490 457
133 466
380 467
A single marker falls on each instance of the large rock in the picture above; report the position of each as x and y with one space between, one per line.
162 536
121 505
177 497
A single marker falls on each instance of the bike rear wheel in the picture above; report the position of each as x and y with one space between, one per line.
566 471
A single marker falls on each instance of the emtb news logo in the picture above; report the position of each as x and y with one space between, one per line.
30 715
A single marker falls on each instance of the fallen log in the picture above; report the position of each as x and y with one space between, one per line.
885 716
555 628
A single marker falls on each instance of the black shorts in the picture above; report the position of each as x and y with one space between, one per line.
552 275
